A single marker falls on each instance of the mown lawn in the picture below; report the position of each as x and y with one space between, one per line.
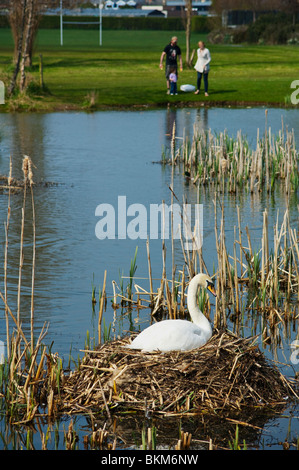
124 71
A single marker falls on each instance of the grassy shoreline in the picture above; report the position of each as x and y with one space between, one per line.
124 73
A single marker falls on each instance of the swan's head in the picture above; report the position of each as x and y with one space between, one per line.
203 280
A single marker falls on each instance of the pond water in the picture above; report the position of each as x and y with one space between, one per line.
92 159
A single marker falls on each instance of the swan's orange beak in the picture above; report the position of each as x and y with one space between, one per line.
211 288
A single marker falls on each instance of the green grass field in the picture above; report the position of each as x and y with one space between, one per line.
124 71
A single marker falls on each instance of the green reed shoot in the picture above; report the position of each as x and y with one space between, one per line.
149 438
235 445
93 291
133 269
121 283
107 331
87 340
202 299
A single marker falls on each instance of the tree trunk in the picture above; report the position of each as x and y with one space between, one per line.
188 4
24 19
27 41
19 50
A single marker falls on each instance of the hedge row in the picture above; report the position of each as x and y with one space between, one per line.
199 24
268 29
272 29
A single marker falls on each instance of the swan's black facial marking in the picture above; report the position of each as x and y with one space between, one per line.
211 287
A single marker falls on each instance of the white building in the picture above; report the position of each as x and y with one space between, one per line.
201 7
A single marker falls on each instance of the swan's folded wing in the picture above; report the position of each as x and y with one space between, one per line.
170 335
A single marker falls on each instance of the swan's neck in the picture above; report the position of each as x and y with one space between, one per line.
197 316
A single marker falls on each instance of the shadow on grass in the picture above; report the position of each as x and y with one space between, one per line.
95 62
220 92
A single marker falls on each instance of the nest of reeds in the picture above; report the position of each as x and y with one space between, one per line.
227 373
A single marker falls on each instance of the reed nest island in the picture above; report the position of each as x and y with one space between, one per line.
228 373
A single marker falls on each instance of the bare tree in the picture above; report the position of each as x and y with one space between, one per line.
28 41
291 7
33 11
252 5
188 9
220 5
24 16
257 6
20 14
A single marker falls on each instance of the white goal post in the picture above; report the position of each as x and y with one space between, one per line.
99 22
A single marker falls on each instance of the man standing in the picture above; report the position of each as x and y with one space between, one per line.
172 52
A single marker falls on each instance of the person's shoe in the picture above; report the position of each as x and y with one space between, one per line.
171 94
168 92
206 94
196 92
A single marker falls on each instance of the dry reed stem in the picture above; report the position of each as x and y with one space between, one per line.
5 261
33 255
150 271
102 308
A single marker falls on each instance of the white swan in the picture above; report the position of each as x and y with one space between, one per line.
179 335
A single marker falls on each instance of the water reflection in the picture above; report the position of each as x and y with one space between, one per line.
94 158
26 136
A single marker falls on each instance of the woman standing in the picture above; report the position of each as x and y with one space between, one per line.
202 66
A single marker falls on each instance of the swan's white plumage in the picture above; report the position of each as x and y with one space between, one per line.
179 335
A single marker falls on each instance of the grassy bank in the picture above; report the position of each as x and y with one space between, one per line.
124 71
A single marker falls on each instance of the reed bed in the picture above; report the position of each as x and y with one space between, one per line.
266 275
229 373
31 374
231 164
263 279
